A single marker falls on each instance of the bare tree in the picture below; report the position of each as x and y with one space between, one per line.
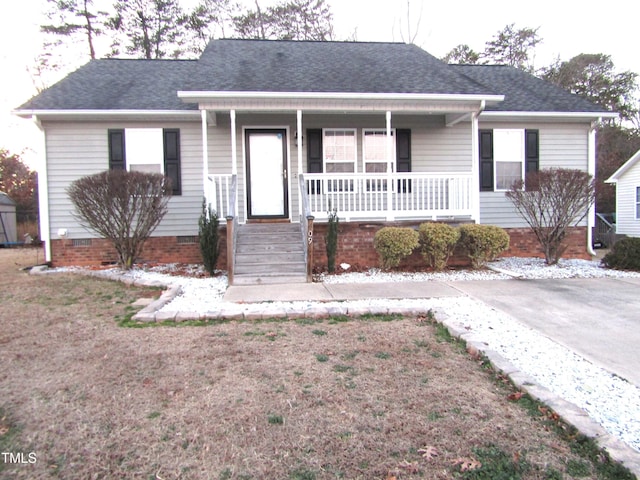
513 47
551 201
123 207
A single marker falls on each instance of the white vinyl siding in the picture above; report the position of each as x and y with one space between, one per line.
562 145
637 203
77 149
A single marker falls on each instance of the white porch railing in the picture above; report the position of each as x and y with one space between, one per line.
219 193
365 195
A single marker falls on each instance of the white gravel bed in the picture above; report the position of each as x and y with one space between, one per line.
533 268
611 401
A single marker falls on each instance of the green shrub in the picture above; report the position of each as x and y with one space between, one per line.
331 240
625 255
394 243
437 241
209 236
483 243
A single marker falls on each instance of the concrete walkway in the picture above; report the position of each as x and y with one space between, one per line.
321 292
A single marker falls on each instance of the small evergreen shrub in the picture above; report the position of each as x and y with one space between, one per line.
437 242
483 243
393 244
331 240
624 255
209 238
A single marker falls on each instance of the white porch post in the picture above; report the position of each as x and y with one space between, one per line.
389 167
234 147
475 168
205 156
299 147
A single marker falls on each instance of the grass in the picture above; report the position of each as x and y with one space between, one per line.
95 397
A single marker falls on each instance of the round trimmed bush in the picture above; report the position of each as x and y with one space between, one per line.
624 255
483 243
393 244
437 242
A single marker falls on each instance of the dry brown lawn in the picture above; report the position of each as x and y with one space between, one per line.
362 398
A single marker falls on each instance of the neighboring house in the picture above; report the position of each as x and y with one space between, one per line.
627 180
275 131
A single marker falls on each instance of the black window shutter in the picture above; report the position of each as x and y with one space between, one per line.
117 160
486 160
172 158
403 157
403 150
314 151
532 151
314 157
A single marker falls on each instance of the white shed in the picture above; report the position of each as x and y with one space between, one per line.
8 230
627 180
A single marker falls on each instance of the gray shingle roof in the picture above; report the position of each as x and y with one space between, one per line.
524 92
289 66
351 67
6 200
112 84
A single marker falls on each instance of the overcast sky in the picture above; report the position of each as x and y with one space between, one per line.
567 28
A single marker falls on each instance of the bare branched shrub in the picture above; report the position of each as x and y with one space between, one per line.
552 201
123 207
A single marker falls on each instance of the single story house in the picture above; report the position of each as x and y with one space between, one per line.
274 133
627 181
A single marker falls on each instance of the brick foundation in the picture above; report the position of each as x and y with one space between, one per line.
355 245
97 251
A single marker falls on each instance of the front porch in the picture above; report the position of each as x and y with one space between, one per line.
392 197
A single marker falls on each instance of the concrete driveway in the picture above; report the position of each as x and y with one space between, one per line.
597 318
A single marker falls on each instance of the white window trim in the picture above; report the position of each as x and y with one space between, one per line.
364 148
637 202
496 161
138 154
324 148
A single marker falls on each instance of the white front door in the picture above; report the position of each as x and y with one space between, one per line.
267 192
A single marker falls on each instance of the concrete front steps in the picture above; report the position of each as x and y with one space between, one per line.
269 253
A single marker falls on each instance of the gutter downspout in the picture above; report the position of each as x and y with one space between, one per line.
591 170
475 164
43 192
389 145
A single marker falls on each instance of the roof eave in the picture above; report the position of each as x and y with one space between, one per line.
571 115
44 113
624 168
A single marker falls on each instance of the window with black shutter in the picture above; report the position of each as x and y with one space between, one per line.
150 150
488 162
